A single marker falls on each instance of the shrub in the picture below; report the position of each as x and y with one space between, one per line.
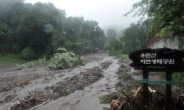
48 52
119 53
27 54
61 50
16 48
64 60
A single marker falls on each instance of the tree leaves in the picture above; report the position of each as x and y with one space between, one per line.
135 37
166 15
64 60
43 28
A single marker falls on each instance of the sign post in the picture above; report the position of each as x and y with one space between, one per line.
145 88
168 92
158 60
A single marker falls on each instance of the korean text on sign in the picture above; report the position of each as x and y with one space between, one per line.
150 58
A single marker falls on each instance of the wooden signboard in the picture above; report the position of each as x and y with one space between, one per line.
158 60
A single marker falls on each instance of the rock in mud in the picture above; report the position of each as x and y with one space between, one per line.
105 64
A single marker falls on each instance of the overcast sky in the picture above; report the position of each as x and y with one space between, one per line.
105 12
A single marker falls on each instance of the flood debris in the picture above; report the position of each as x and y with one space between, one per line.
77 82
157 100
62 88
9 97
125 75
133 99
40 105
131 94
27 103
5 88
23 82
9 83
109 97
105 65
6 84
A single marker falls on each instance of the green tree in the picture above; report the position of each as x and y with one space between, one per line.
166 16
5 34
30 33
135 37
10 12
166 19
27 54
97 38
115 45
71 36
110 35
80 34
43 28
36 28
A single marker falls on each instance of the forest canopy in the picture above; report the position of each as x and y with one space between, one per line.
41 28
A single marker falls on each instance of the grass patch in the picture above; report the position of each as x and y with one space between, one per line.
123 56
119 54
11 59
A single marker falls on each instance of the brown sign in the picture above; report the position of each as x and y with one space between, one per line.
158 60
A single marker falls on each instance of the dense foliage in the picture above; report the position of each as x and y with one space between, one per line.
27 54
166 16
135 37
111 34
167 20
43 28
64 59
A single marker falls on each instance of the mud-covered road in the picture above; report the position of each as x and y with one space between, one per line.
79 88
70 89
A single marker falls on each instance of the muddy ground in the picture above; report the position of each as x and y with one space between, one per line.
79 88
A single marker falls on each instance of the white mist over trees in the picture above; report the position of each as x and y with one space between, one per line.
40 28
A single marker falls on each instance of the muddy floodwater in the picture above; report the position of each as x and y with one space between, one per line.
79 88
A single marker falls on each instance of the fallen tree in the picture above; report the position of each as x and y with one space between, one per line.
64 59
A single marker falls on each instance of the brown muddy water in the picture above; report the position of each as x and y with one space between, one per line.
78 88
